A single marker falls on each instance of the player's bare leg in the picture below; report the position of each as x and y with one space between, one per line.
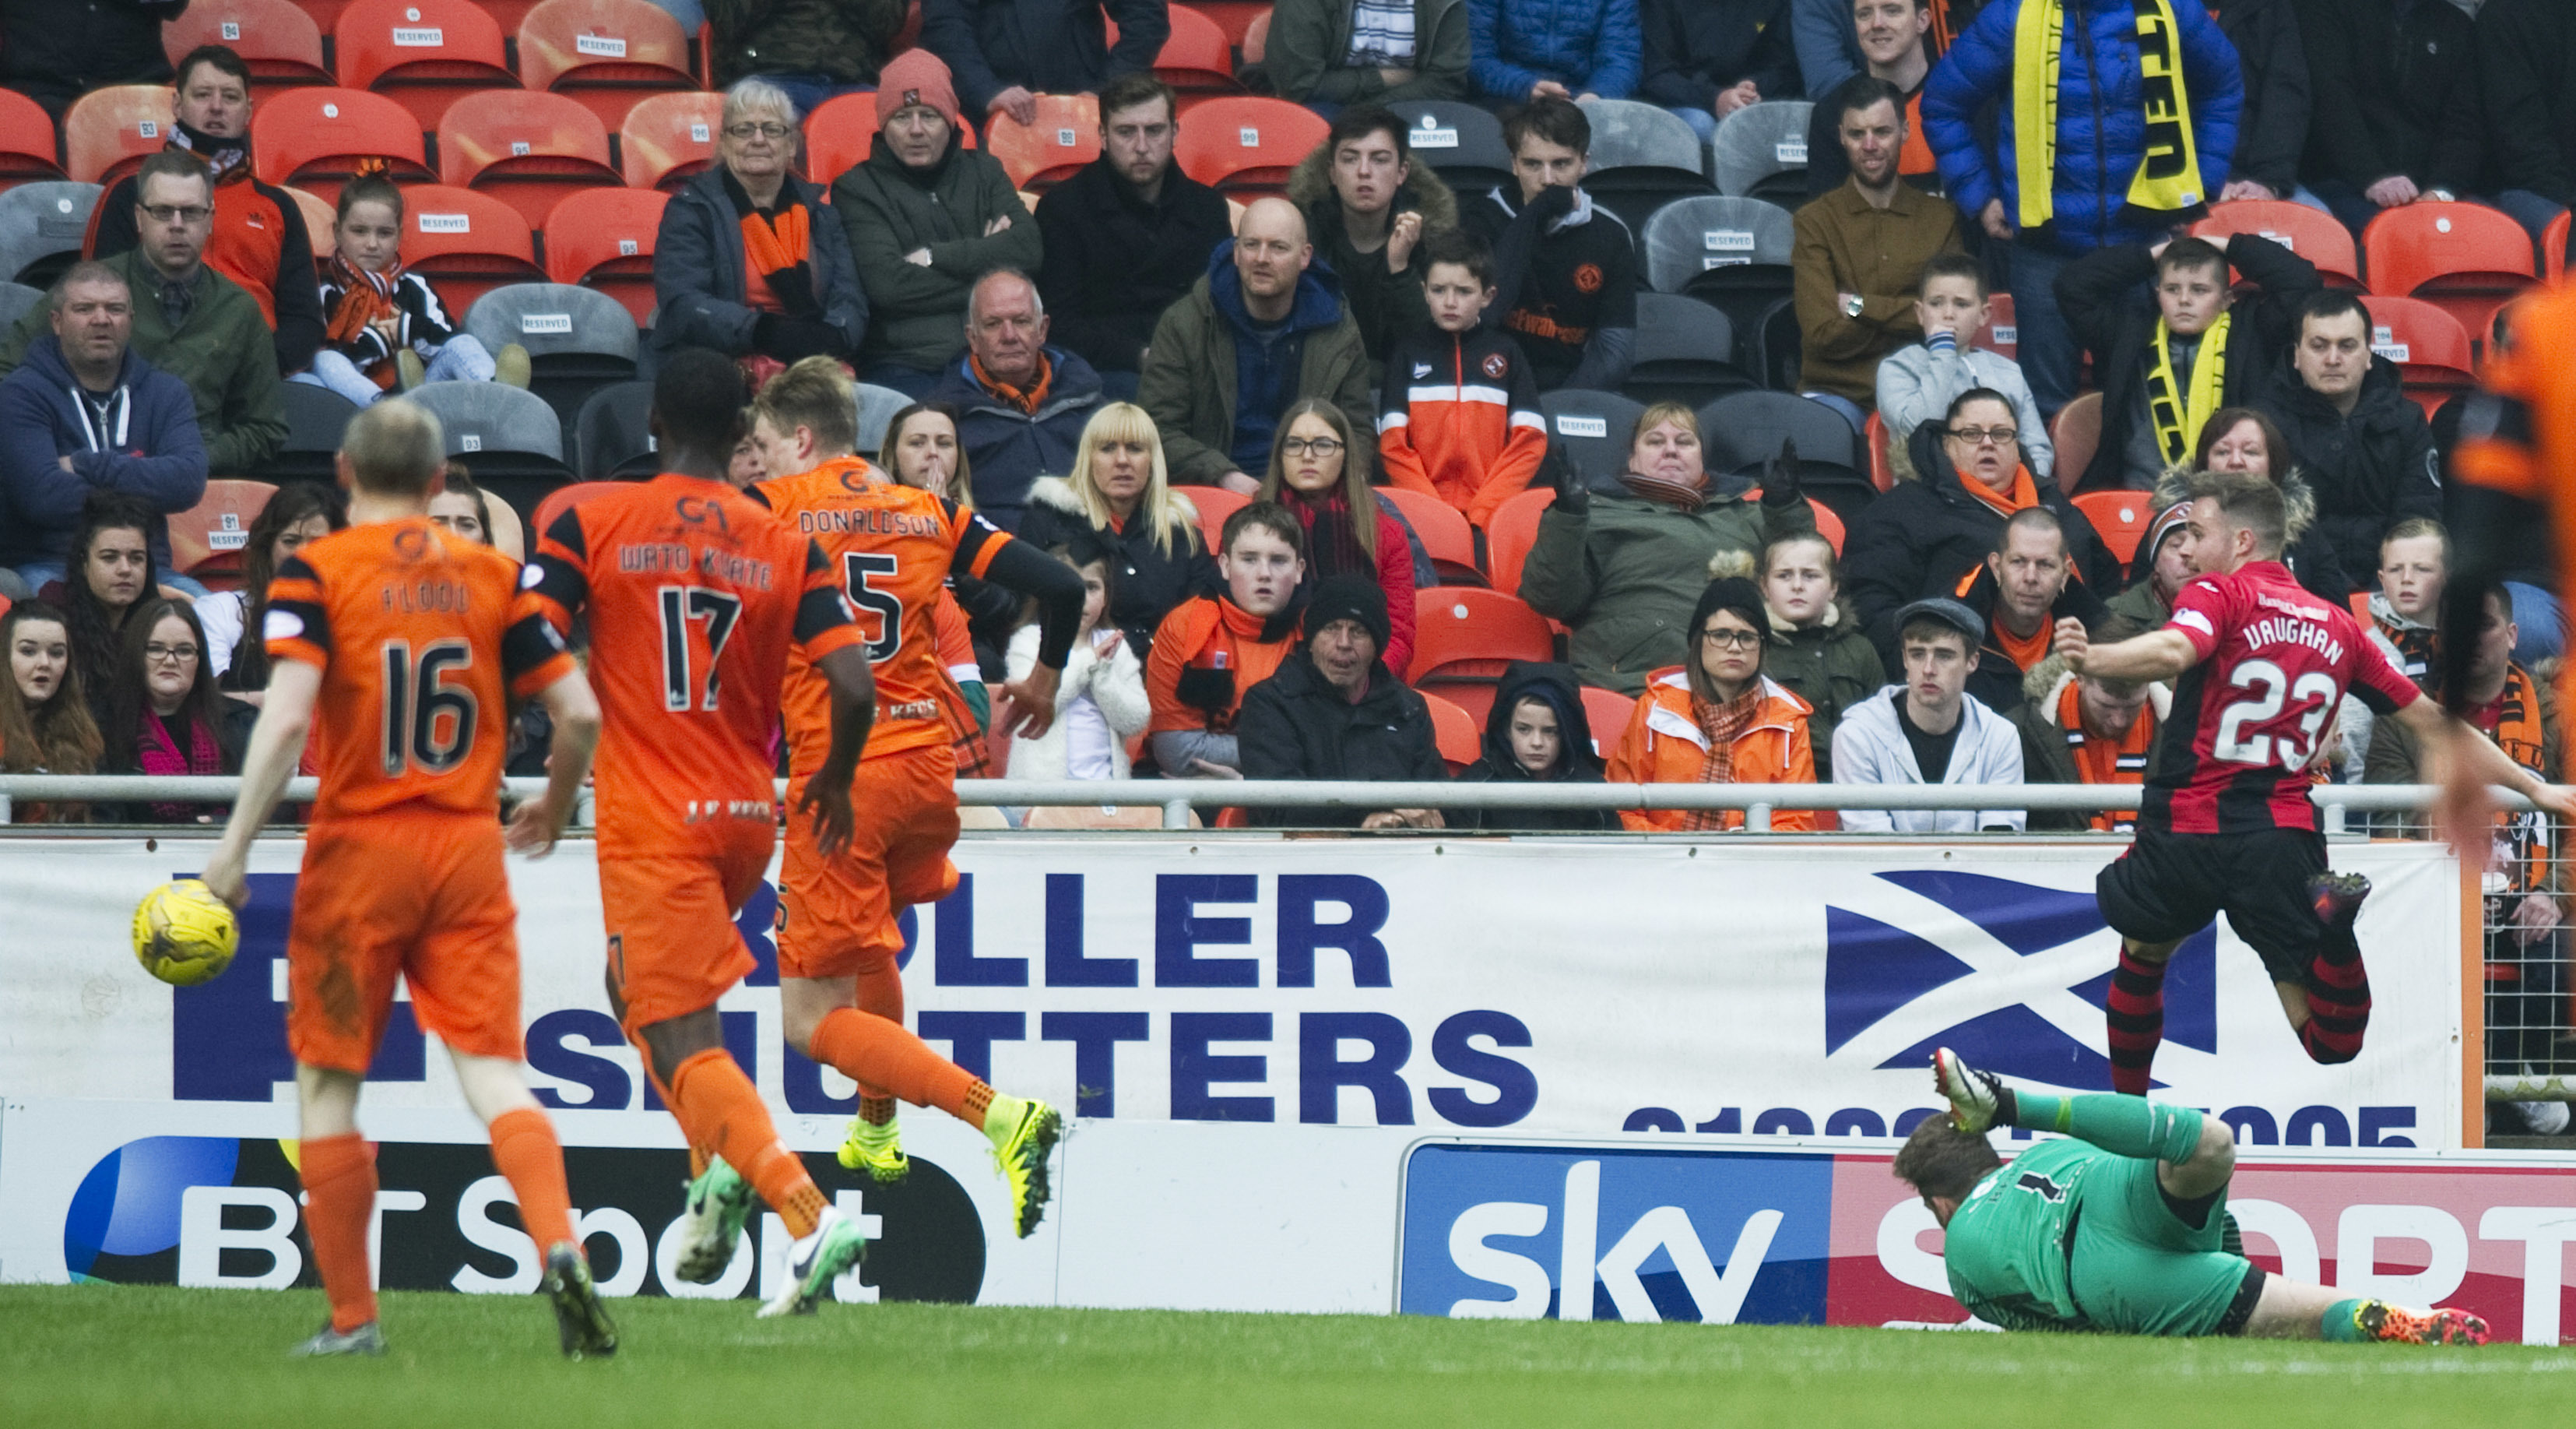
722 1114
874 1052
530 1158
2135 1013
339 1172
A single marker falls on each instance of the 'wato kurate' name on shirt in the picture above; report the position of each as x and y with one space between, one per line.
728 567
866 521
2279 630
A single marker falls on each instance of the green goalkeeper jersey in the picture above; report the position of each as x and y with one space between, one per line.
2007 1247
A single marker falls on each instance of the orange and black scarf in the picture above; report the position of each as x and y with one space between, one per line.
365 300
1723 724
1027 402
779 244
227 161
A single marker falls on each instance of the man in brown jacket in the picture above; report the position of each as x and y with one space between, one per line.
1860 253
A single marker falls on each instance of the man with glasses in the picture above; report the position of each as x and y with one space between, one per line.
1126 236
189 320
259 239
84 412
1021 402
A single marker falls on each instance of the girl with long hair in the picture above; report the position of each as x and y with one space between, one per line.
1320 473
164 714
301 511
45 724
111 572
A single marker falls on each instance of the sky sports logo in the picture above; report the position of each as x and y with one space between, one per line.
2012 976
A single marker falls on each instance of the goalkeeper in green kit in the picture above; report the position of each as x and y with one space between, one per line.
2121 1226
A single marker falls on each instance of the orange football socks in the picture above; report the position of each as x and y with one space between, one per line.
527 1155
340 1202
875 1052
720 1109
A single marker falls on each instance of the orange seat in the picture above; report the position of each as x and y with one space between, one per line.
1511 531
323 13
2553 247
842 131
27 151
2000 336
2360 602
1608 712
1874 436
316 138
110 132
2120 518
2428 345
669 138
2464 258
2318 237
2076 434
278 42
606 54
1215 503
1446 537
1465 636
422 54
1235 19
1828 525
465 242
1247 142
207 538
320 219
1065 137
526 149
564 498
1461 739
1197 57
603 238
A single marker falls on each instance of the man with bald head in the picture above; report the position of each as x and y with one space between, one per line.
1264 328
1021 404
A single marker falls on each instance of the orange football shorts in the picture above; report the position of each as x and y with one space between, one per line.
672 945
837 915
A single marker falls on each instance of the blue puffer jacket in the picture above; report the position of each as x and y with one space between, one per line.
1589 46
2101 120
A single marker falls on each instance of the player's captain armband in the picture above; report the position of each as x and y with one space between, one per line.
2196 621
282 625
531 576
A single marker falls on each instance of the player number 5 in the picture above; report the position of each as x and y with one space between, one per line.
856 567
2275 691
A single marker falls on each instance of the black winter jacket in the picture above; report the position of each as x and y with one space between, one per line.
2369 470
1114 262
2097 294
1923 537
2272 129
2394 90
55 51
1297 725
2527 65
1694 48
1150 581
1044 46
1576 760
1008 449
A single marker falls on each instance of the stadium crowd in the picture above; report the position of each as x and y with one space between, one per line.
1284 440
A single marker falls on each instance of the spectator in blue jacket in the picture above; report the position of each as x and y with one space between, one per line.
1706 59
84 412
1005 53
2118 174
1520 50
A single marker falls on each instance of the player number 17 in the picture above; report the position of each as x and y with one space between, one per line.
2270 688
680 605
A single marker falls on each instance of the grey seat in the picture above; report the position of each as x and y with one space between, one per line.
610 437
1761 151
578 340
41 228
510 440
877 406
15 300
1745 430
1730 253
1594 428
1686 353
1643 157
1462 143
315 419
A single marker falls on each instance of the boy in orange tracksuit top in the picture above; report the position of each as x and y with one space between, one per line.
1460 418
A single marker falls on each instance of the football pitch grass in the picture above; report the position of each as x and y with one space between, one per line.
110 1355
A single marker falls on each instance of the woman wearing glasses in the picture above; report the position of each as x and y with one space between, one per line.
1322 478
1717 719
1928 535
164 715
748 262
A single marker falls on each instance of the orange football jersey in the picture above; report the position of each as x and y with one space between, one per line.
695 596
419 637
893 548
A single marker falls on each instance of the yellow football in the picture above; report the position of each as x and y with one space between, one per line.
184 934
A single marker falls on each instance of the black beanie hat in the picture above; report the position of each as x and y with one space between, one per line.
1349 597
1734 594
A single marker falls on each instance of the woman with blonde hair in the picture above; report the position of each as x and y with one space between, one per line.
1121 495
1321 475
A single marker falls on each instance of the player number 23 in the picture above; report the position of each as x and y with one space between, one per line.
2269 688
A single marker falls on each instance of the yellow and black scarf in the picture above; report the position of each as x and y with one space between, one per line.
2180 413
2168 179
